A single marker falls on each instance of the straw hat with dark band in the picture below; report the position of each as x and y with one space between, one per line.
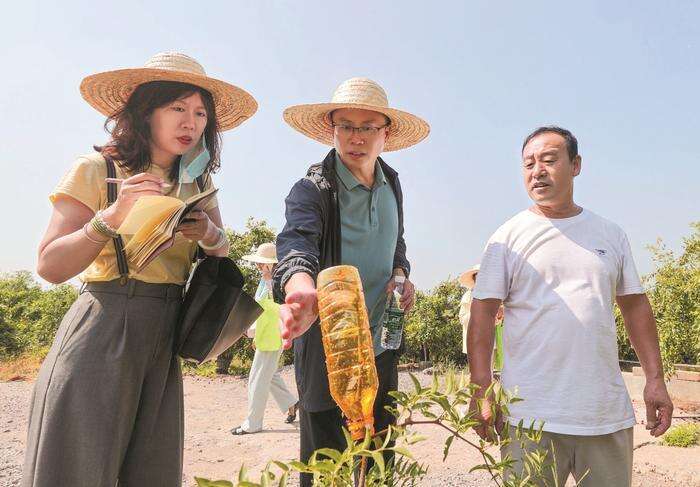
468 278
266 253
107 92
314 120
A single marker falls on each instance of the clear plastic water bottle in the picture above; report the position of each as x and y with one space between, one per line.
392 326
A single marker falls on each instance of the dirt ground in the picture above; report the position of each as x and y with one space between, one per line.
214 406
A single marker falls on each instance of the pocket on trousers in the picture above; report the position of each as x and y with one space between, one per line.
76 316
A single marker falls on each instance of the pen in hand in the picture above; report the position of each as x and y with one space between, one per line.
119 180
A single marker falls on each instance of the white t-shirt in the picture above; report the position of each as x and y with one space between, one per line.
558 279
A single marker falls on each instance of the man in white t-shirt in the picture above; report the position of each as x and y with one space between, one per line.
558 269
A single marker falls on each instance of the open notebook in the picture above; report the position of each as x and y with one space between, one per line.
152 222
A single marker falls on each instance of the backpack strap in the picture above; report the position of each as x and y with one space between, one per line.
200 254
118 243
200 182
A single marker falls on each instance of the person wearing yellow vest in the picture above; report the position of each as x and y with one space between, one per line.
264 374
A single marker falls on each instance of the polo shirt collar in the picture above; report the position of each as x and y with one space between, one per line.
350 181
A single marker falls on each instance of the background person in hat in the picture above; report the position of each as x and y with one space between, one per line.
560 269
468 280
264 374
348 209
107 407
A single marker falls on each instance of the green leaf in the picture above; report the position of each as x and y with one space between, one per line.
284 479
283 466
446 450
415 438
379 461
243 473
298 466
209 483
330 453
401 450
416 383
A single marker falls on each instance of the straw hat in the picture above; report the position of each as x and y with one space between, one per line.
265 254
468 278
314 120
107 92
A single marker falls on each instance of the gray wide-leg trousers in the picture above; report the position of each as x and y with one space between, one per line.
107 408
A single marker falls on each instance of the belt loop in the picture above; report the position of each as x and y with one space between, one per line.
131 288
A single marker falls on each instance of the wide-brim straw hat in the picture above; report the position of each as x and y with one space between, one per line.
107 92
313 120
468 278
265 254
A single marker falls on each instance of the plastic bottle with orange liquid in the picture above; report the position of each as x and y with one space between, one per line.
347 342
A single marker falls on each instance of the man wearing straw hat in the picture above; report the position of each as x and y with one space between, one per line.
559 269
264 377
348 209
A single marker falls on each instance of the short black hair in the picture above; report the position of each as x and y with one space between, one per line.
571 142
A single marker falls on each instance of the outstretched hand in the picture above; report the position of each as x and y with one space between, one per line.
300 308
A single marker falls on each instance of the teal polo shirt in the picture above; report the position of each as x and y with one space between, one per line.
369 227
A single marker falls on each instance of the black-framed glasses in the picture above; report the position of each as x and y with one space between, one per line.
365 130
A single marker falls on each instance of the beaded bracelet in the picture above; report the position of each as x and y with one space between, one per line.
87 235
219 243
100 226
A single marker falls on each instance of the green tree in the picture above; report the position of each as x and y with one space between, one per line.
16 292
433 331
256 232
29 315
47 313
674 292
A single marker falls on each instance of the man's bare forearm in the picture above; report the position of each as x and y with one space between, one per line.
480 338
641 328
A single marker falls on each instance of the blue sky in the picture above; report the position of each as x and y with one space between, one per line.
623 76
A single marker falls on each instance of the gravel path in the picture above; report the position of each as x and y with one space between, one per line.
214 406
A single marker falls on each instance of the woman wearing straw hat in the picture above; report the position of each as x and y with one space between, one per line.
347 210
264 374
107 407
468 280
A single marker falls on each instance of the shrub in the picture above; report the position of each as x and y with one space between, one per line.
29 315
443 404
683 435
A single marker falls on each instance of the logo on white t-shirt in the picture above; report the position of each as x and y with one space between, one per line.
601 251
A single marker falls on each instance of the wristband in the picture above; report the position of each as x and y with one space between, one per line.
222 240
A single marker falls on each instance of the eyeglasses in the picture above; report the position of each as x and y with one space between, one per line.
364 131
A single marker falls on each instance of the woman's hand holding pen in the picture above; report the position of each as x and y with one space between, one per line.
130 190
